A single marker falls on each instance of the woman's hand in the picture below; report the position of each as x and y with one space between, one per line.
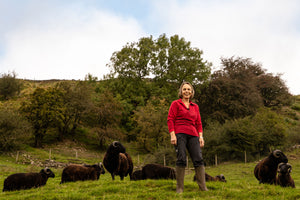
201 140
173 138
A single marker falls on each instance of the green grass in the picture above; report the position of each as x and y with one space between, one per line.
241 184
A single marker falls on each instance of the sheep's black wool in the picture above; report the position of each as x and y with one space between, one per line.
156 171
284 178
74 172
208 177
137 175
265 171
21 181
117 161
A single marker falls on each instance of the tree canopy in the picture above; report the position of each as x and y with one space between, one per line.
239 88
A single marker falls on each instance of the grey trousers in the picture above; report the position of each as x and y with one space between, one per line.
192 145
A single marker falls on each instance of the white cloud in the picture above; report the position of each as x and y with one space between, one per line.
68 41
67 45
262 30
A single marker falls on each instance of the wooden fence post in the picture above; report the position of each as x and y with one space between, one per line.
245 156
216 159
17 157
50 154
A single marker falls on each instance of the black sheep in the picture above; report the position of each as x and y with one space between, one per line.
156 171
284 178
75 172
117 161
137 175
21 181
208 177
265 171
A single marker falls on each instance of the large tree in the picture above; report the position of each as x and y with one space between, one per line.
42 109
154 67
167 61
238 89
77 100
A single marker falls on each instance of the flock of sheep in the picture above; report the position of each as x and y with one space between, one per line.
273 169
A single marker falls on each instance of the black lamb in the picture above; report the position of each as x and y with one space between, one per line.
284 178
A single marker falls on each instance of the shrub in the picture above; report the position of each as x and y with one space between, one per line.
13 130
9 85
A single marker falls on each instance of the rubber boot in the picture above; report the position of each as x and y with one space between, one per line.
180 178
200 177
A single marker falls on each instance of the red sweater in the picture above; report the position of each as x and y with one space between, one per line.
183 120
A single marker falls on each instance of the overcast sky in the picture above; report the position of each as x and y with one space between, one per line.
67 39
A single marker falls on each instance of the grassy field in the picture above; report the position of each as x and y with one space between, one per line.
241 183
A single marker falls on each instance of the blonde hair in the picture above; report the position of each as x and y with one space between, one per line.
180 90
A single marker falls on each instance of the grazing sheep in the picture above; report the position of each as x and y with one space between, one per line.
156 171
117 161
284 178
137 175
265 171
27 180
75 172
208 177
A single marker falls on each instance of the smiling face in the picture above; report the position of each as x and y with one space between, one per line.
186 91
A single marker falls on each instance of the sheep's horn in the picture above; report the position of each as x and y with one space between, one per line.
46 170
114 143
276 152
279 165
290 167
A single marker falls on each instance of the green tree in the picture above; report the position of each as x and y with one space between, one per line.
254 134
14 129
176 61
150 67
232 92
271 130
104 118
77 100
152 130
273 90
133 60
239 89
42 110
9 85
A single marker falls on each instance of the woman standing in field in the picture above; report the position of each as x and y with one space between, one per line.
185 128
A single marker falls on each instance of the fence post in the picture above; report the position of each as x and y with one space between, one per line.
216 159
164 160
245 156
138 159
50 154
17 157
76 154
